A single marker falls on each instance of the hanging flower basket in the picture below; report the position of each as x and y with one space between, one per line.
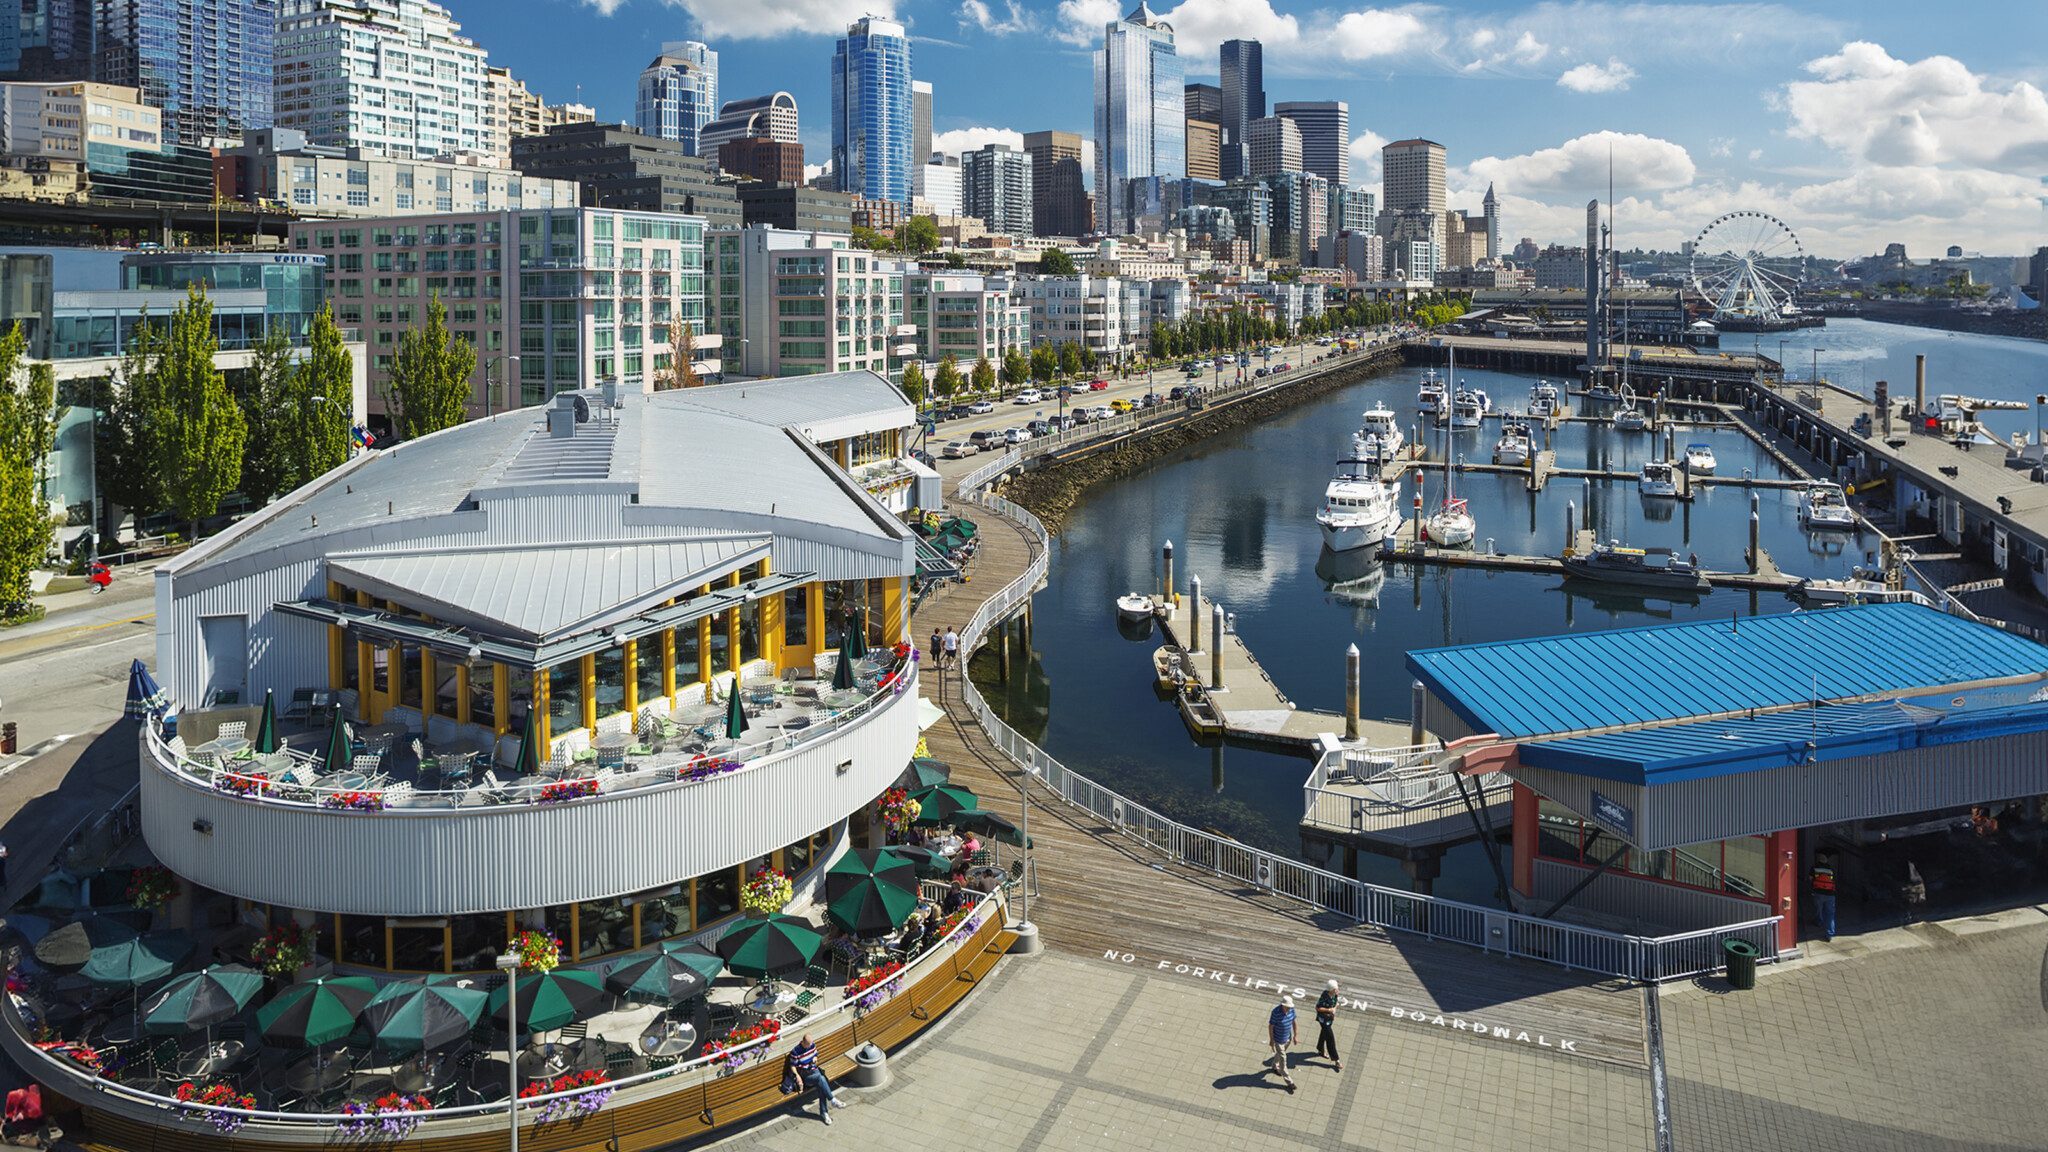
284 950
393 1116
767 892
354 801
152 887
596 1087
538 949
219 1096
898 810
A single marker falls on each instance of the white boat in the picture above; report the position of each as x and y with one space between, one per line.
1134 606
1860 588
1602 392
1513 446
1382 431
1657 479
1699 459
1543 400
1451 525
1469 407
1358 511
1822 505
1628 417
1429 397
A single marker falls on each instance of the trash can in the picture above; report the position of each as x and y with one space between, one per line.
1741 957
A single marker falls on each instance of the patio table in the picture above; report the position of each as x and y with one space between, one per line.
211 1060
669 1038
317 1074
771 997
223 747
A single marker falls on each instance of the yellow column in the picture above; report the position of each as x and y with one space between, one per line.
501 699
590 692
633 676
430 676
543 722
668 666
462 693
338 653
894 622
771 629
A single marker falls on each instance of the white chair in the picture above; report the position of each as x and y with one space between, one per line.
370 766
232 728
603 777
616 724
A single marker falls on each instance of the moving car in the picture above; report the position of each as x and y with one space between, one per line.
981 407
960 449
986 438
1122 406
1016 436
1098 385
1028 396
1100 412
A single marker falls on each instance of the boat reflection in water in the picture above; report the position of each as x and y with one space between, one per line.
1354 576
1619 600
1134 630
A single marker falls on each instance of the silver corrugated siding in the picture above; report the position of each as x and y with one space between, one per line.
1644 904
285 652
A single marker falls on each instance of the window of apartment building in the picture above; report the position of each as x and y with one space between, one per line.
658 284
631 336
631 259
382 287
349 262
633 368
658 260
357 198
630 284
564 369
601 227
381 261
408 286
600 366
480 186
359 177
602 340
562 311
402 201
533 341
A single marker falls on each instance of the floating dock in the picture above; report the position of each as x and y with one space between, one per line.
1406 550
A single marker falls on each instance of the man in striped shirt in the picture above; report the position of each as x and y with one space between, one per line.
1280 1034
803 1064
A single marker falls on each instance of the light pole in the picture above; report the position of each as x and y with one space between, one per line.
508 963
490 394
1781 362
743 355
347 417
1816 364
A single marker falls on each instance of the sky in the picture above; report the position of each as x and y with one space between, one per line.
1857 124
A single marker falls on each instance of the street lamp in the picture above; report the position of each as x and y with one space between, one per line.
347 417
508 963
490 394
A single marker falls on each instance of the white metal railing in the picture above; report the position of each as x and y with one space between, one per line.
1644 958
49 1068
1387 788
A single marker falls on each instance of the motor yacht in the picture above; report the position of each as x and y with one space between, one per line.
1657 479
1381 431
1429 396
1513 447
1699 459
1644 567
1358 511
1469 407
1822 505
1543 400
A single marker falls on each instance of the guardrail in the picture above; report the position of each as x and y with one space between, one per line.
1644 958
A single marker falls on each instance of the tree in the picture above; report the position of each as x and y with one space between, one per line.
913 382
983 377
1045 363
430 376
1073 361
948 380
1016 366
122 406
1055 262
195 432
681 371
262 391
868 238
28 430
918 235
955 260
323 403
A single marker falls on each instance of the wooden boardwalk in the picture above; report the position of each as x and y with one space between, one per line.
1101 891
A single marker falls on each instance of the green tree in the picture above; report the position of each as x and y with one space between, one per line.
948 380
1073 361
321 402
430 376
868 238
1016 367
1055 262
955 260
1045 363
28 430
983 377
918 235
262 391
913 382
195 431
122 406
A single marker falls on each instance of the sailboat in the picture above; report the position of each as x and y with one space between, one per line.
1451 525
1628 417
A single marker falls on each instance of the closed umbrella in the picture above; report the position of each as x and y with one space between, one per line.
655 978
138 960
735 713
856 644
995 828
340 749
771 946
144 697
870 891
266 727
925 772
72 945
554 999
315 1013
529 745
842 672
201 999
943 803
700 959
419 1015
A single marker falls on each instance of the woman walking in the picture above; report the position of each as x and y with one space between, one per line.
1326 1020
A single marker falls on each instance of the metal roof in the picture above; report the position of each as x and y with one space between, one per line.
1677 672
520 591
806 402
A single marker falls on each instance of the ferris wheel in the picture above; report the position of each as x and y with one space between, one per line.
1747 265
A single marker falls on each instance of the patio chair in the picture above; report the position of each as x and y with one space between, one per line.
400 790
455 767
301 707
724 1018
817 976
620 1063
368 765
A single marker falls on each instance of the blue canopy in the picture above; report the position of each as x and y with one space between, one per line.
144 697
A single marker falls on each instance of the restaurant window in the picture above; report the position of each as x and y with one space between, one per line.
380 669
483 695
556 919
447 688
721 642
689 663
351 667
565 696
796 616
611 680
409 675
603 926
647 667
665 915
518 696
797 857
477 940
362 941
1745 866
419 946
718 895
750 631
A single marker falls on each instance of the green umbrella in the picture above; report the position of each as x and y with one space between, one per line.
266 728
700 959
201 999
735 713
925 772
870 891
655 977
138 961
856 644
770 946
995 828
943 803
340 749
529 745
927 862
316 1012
415 1015
554 999
842 672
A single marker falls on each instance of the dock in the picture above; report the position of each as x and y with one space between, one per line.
1406 550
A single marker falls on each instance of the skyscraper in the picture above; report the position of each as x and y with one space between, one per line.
872 113
1203 102
1325 136
996 184
1412 178
1492 209
920 132
1059 199
1140 127
205 63
1205 149
1273 144
770 117
339 81
1244 99
679 95
52 40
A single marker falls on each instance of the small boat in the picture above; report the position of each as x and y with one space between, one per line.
1657 479
1429 397
1699 459
1642 567
1602 392
1862 587
1822 505
1358 511
1628 417
1134 606
1451 525
1543 400
1513 446
1468 407
1382 430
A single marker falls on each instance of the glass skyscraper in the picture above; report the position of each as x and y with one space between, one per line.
205 63
872 113
679 94
1139 127
1243 65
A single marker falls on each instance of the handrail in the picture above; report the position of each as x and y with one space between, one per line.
946 948
416 802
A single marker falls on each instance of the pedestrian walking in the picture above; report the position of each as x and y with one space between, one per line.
1280 1034
3 867
1326 1021
937 660
801 1065
1822 881
952 643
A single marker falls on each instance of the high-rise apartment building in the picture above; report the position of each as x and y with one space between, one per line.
511 111
770 117
759 158
205 64
996 180
678 95
802 302
1301 206
920 132
53 40
391 77
1491 207
1205 149
873 118
944 188
1244 100
1412 177
1325 136
1273 144
1059 199
276 165
1140 117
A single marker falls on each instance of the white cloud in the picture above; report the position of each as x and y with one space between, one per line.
1612 76
958 140
977 14
1082 21
767 19
1869 106
813 171
1365 157
604 7
1579 166
1373 33
1199 26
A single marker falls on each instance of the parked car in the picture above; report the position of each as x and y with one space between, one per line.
1261 373
1122 406
1103 411
1039 427
1097 385
1177 391
986 437
960 449
1028 396
923 457
981 407
1016 436
1148 400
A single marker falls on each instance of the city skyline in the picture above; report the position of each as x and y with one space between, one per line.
1820 113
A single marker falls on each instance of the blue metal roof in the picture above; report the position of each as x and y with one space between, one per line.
1734 745
1672 672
